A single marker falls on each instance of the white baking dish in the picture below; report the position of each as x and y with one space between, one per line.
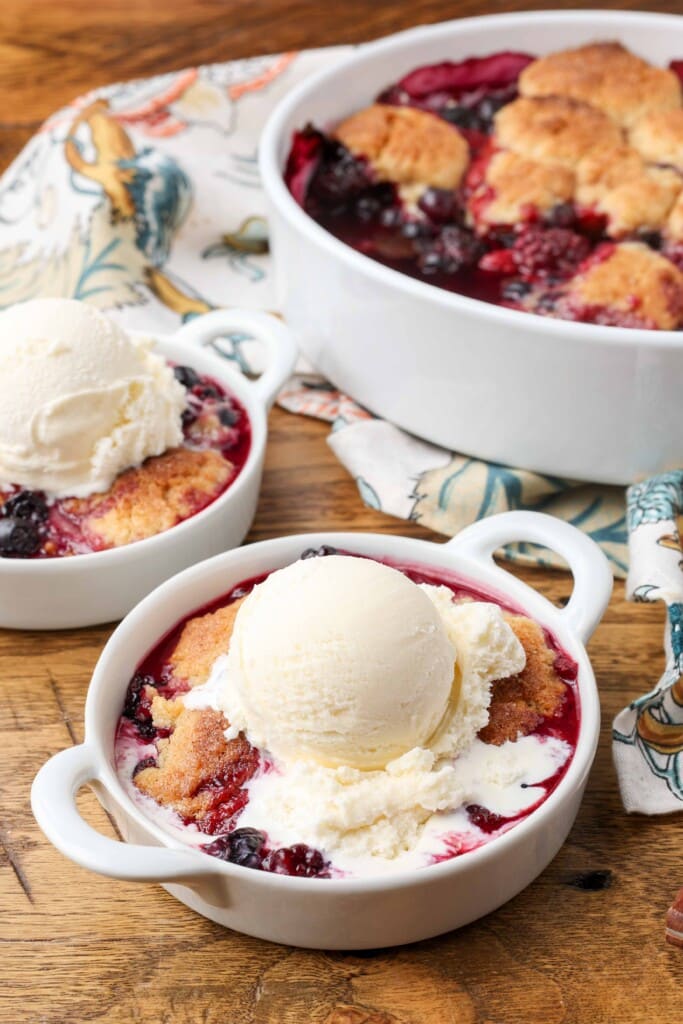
342 913
574 400
82 590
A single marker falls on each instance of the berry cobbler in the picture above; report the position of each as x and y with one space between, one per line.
550 185
344 716
102 442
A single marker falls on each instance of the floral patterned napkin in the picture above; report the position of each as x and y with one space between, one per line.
143 198
648 735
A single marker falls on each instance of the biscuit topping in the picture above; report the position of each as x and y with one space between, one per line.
406 146
608 77
554 129
475 175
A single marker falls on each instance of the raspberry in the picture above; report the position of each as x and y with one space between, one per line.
539 253
565 666
500 261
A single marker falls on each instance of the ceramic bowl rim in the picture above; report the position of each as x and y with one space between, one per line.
270 168
574 778
256 414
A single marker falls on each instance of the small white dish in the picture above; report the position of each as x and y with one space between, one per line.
575 400
345 913
83 590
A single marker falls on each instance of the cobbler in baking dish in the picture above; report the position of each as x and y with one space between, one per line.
550 185
307 798
143 500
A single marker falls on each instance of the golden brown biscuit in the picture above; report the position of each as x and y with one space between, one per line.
658 137
674 224
153 497
632 194
633 279
165 712
406 146
519 703
191 759
607 76
514 188
202 640
554 129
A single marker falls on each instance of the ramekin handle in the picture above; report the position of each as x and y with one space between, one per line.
279 342
53 800
588 565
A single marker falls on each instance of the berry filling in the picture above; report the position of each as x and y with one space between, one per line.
33 526
443 236
140 745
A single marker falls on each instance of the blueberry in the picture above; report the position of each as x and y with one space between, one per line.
188 417
205 391
18 537
562 215
416 229
186 376
439 204
462 117
26 505
391 217
367 208
487 109
320 552
227 416
515 290
243 847
547 302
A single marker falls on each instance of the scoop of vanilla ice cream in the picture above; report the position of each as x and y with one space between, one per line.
488 649
368 691
339 660
80 400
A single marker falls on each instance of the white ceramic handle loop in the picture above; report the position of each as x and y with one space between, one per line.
53 799
589 567
278 340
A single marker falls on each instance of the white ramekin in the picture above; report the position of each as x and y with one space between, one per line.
573 400
336 913
83 590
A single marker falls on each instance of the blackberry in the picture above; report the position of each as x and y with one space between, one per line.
26 505
19 538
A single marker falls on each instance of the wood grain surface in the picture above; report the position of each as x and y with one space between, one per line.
582 945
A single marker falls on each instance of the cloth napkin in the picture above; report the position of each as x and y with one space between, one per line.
648 735
143 198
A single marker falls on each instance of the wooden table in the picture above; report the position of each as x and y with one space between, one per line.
79 948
